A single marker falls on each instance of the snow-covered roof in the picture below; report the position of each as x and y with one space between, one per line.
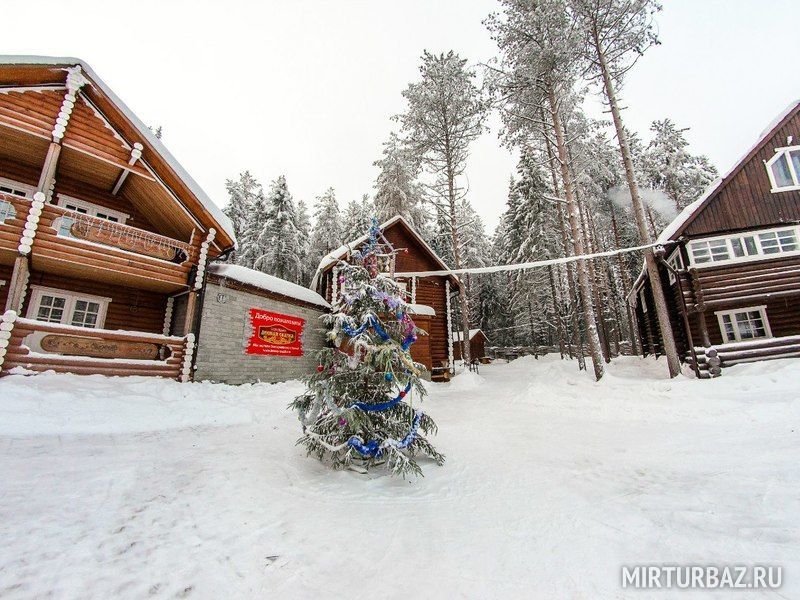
269 283
674 229
222 220
422 309
458 335
345 249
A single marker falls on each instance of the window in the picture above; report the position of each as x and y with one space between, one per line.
744 246
51 308
676 262
743 324
710 251
84 208
68 308
774 242
15 188
784 169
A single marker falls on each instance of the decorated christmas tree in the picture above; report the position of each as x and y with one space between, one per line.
360 409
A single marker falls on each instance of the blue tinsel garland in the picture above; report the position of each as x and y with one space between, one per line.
383 405
373 449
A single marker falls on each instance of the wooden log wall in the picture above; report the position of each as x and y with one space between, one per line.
430 290
767 349
130 309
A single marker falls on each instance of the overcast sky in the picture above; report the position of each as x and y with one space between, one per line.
307 88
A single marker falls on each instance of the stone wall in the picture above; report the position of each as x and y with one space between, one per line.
225 329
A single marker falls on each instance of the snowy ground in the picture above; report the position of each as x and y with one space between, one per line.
131 488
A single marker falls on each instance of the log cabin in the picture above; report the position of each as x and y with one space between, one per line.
104 237
730 261
477 345
431 297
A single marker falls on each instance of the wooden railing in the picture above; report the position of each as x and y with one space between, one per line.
39 346
104 250
112 248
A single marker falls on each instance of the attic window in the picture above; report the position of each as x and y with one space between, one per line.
784 169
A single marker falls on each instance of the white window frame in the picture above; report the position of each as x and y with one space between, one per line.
675 261
779 152
760 255
28 190
69 307
91 208
732 313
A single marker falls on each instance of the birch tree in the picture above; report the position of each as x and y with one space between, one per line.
616 33
445 114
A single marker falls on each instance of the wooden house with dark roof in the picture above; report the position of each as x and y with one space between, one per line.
431 296
730 262
104 237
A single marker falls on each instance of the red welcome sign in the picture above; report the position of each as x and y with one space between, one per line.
275 334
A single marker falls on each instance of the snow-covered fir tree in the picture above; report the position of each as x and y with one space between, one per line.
242 195
360 409
328 231
253 244
280 238
304 232
397 189
669 166
357 217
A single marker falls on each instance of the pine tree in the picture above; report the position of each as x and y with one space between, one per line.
397 191
280 238
327 234
540 65
445 114
616 33
357 410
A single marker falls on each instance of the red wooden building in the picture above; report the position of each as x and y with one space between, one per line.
477 344
104 237
431 297
730 263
